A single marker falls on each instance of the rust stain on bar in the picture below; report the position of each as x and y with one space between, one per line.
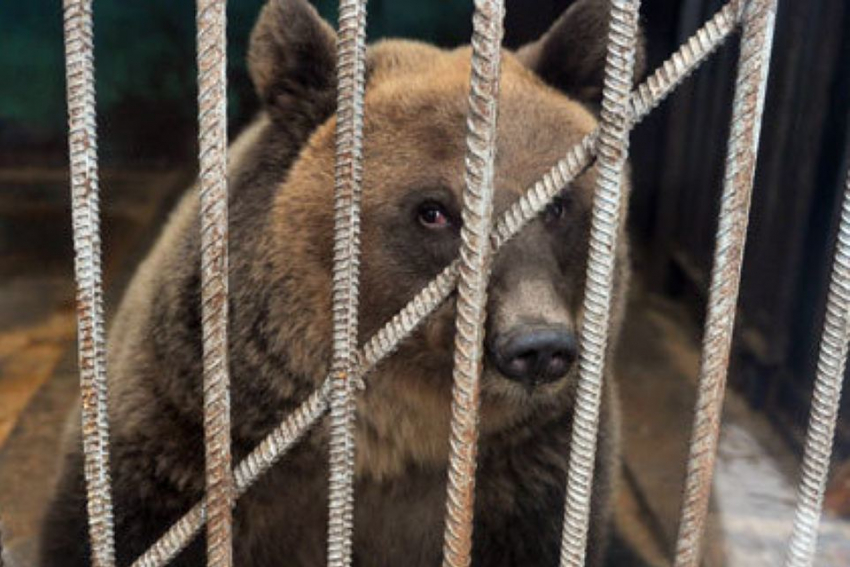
660 84
351 71
82 141
756 42
612 151
474 273
212 140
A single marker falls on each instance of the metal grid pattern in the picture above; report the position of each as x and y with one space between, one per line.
212 140
474 274
754 60
646 97
85 206
482 237
832 362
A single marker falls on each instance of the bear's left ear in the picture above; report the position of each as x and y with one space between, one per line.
571 55
292 61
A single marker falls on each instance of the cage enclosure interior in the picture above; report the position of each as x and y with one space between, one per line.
472 297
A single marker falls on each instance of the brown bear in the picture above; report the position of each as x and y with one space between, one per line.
281 231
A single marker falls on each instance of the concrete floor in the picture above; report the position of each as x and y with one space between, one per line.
656 369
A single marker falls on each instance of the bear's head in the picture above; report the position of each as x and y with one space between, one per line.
416 105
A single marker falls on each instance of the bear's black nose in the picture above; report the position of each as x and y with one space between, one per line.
535 354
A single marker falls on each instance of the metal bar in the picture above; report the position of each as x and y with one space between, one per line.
689 55
212 140
474 274
351 72
612 152
82 142
751 83
261 459
663 81
832 361
642 101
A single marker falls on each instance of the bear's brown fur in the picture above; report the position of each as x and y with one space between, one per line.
281 184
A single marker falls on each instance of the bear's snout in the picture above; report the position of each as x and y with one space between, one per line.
534 354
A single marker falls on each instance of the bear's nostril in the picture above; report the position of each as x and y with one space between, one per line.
523 363
536 354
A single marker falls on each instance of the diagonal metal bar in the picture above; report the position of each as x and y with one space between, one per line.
82 142
474 272
642 101
608 203
662 82
261 459
212 141
351 71
832 362
748 104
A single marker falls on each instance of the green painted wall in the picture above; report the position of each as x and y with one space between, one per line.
145 60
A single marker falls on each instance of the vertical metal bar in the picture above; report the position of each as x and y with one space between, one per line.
266 454
832 361
474 269
212 140
82 142
608 202
756 42
351 70
643 99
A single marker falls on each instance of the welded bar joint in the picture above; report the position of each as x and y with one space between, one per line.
212 140
82 142
748 104
608 202
474 273
826 396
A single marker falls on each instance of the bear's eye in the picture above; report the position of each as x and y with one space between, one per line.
433 215
555 210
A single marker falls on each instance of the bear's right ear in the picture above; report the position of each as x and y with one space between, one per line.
292 61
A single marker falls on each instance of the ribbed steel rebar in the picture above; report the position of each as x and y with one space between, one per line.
645 98
82 142
351 71
832 361
474 274
748 104
608 202
663 81
261 459
212 141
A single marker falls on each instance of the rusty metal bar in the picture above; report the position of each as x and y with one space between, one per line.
751 83
212 140
351 73
261 459
662 82
832 361
643 100
474 274
608 202
82 142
